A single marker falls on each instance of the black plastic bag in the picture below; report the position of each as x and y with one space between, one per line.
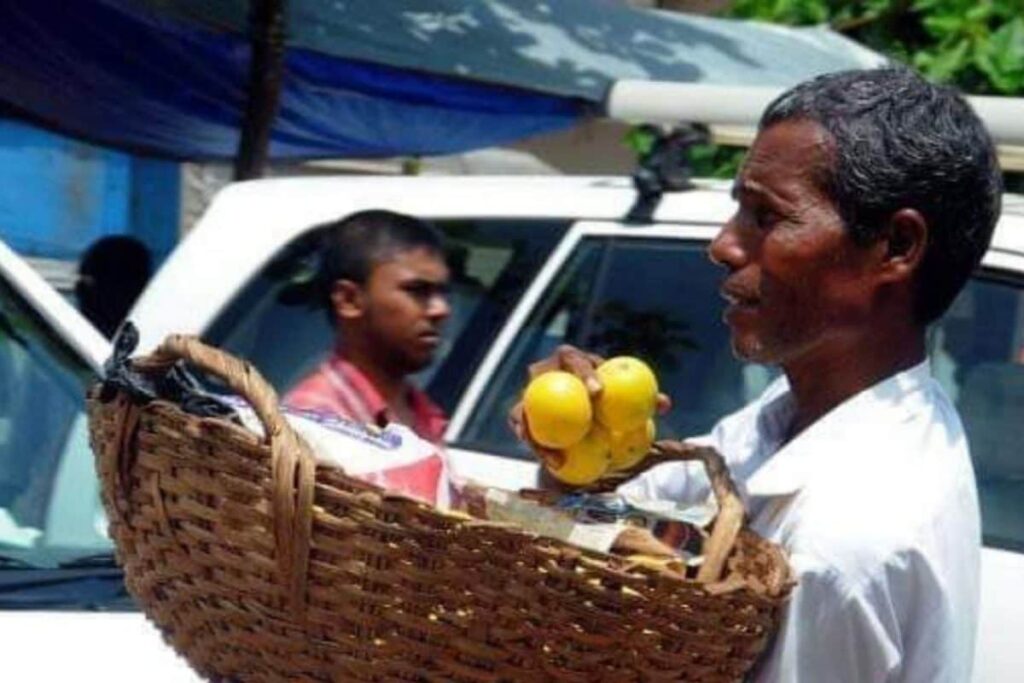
178 385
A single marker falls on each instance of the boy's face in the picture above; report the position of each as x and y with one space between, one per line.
402 307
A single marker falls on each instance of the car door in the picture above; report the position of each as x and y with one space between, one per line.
64 612
652 292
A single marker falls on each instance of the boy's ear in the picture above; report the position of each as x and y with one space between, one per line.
903 244
347 300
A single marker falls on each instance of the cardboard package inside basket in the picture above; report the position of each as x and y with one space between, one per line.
670 534
394 457
397 460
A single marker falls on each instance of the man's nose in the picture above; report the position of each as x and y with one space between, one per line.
727 248
438 307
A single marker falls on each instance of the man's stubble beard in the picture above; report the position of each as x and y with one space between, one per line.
391 357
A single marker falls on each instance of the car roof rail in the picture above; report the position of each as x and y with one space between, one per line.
732 112
663 167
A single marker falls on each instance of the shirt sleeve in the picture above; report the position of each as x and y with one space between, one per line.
682 482
834 632
687 482
881 620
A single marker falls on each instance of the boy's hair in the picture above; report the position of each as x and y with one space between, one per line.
353 246
356 244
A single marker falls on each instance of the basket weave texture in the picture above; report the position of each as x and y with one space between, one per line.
259 564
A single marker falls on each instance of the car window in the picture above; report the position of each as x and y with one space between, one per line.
653 298
49 502
977 353
280 323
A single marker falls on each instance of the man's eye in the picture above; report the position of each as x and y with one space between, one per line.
765 218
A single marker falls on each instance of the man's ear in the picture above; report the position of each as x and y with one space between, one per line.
903 245
347 300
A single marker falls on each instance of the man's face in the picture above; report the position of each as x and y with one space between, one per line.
797 283
404 306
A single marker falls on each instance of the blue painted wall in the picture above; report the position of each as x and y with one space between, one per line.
58 195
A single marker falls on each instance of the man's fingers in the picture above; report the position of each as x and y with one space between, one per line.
546 365
518 424
552 459
570 359
664 404
580 364
673 448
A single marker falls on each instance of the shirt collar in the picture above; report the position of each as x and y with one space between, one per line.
364 388
427 413
787 467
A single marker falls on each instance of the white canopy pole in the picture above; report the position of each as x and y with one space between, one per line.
673 102
1004 117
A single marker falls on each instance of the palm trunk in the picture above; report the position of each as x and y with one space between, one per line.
266 73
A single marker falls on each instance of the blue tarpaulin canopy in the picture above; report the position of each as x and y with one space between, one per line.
369 79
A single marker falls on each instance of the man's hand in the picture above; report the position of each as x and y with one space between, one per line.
580 363
569 359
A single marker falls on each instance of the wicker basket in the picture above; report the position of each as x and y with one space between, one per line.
258 564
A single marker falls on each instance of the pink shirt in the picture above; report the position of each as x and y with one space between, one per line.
340 388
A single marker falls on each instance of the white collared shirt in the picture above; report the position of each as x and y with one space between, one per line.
877 506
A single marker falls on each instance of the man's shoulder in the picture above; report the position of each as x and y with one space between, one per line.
316 392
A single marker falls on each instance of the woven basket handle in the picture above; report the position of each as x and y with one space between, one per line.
731 513
293 467
241 377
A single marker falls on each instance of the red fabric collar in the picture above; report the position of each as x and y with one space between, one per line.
341 388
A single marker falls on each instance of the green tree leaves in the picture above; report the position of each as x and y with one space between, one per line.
976 46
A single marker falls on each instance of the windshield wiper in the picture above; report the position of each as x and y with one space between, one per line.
98 560
92 582
9 562
105 560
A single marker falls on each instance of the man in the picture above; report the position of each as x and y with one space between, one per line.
111 275
386 280
866 200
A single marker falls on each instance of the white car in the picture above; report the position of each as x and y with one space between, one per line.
539 261
64 613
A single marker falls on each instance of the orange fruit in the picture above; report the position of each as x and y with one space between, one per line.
557 408
630 447
585 461
629 393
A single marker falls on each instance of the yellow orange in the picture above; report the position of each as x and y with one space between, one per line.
630 447
558 409
585 461
629 393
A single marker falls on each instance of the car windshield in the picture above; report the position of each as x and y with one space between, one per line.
50 511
